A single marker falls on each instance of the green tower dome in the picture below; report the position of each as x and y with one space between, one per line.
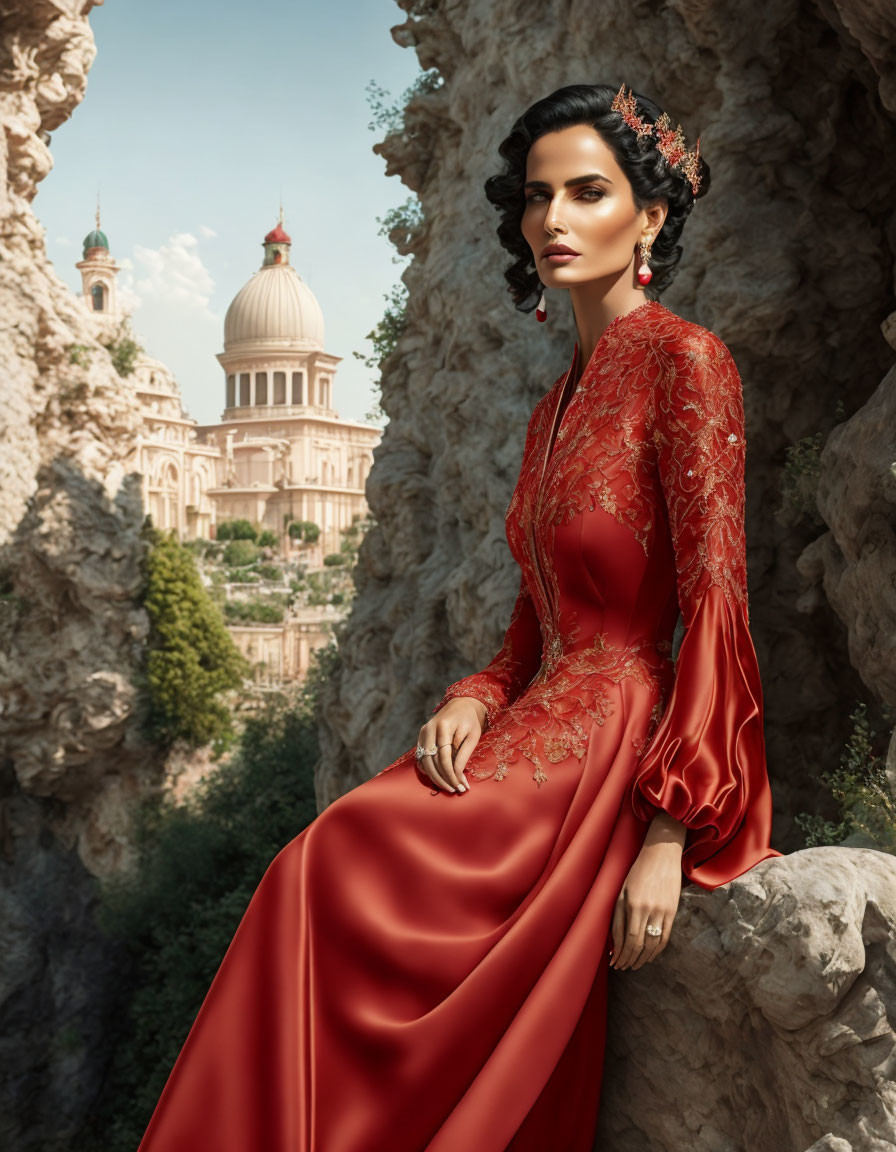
95 239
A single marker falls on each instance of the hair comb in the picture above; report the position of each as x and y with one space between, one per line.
669 142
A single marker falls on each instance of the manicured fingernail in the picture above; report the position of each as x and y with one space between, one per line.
461 788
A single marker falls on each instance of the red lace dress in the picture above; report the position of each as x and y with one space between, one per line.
424 970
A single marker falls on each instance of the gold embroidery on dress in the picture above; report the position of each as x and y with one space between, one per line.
546 724
699 436
653 434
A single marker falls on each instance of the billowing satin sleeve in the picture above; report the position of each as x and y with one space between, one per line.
705 764
513 666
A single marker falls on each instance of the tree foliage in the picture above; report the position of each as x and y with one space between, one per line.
865 797
175 914
191 659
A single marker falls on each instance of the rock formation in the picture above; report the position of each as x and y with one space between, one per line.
70 632
71 760
766 1025
800 306
788 259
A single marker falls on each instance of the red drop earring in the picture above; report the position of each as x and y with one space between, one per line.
644 273
541 313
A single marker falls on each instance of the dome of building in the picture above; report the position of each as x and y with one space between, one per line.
276 307
277 235
95 239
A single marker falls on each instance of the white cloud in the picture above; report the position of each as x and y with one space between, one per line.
128 300
173 274
206 231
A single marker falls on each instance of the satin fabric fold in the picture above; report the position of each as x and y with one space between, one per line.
420 970
706 765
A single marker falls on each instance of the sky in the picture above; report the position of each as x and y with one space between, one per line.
198 118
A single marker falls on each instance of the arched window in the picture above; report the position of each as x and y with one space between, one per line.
261 388
244 389
279 387
231 391
98 295
297 388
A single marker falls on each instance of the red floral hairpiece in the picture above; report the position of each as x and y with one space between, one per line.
669 142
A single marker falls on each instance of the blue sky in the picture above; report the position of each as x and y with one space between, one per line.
197 118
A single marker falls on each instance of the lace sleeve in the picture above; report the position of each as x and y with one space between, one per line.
706 762
511 669
699 434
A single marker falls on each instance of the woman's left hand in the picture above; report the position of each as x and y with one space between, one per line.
650 895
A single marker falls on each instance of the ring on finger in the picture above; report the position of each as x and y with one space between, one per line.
421 751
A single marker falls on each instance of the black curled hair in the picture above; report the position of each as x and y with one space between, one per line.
647 170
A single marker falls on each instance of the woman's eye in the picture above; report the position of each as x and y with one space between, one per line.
598 193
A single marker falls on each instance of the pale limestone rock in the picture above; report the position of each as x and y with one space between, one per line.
765 1026
70 551
786 259
72 762
797 302
801 945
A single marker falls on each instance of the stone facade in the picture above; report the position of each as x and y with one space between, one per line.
783 979
281 451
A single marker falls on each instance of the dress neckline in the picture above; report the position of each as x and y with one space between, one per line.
569 384
614 323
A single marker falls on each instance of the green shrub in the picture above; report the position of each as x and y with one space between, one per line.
124 350
268 539
235 530
79 354
867 806
270 610
305 530
199 863
240 552
334 559
799 479
191 659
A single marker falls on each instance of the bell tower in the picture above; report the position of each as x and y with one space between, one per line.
98 272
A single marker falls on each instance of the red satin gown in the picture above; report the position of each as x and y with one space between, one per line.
425 970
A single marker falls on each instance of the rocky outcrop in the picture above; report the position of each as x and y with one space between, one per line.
767 1024
851 565
799 304
787 259
71 632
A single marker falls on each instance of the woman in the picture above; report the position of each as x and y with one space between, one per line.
425 965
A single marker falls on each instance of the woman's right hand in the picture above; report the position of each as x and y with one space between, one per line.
455 728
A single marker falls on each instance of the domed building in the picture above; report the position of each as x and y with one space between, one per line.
287 453
281 452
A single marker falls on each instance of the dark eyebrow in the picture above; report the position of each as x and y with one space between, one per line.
569 183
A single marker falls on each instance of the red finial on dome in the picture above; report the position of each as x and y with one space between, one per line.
277 236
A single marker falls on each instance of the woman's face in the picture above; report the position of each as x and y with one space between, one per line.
577 194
